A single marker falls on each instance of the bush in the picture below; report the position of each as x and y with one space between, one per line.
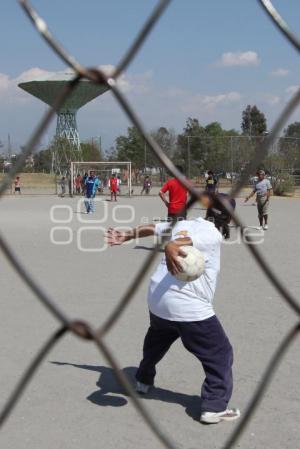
284 186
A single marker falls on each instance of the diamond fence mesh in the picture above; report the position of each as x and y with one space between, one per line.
83 329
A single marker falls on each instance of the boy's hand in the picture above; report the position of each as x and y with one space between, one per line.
114 237
172 251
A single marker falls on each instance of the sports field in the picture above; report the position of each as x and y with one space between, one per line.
74 400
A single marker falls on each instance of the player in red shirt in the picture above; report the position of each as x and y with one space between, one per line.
113 185
178 194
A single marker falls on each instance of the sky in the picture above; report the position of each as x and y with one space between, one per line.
206 59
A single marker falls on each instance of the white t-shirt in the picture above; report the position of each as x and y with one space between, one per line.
175 300
261 187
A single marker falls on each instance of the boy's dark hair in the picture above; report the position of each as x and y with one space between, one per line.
210 172
179 168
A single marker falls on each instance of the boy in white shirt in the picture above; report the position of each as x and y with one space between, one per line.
185 310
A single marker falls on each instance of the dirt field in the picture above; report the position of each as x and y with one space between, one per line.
74 401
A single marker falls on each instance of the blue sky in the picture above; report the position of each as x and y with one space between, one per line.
206 58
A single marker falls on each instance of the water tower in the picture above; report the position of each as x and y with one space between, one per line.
47 88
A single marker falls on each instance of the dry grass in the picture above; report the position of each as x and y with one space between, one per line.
35 180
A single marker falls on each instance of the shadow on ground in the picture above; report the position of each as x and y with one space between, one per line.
111 394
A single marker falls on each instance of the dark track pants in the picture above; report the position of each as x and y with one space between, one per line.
207 341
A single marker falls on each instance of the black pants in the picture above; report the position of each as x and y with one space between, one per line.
207 341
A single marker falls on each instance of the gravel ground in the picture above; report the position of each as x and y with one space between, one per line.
74 400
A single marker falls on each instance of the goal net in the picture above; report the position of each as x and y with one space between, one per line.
104 171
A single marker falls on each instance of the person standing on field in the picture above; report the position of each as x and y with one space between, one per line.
63 186
146 185
119 181
17 185
91 187
262 189
176 202
78 181
83 186
113 186
211 182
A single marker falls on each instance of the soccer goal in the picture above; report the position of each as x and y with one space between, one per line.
104 170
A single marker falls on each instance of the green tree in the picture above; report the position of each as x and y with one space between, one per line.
91 152
205 147
289 146
189 147
254 122
131 147
166 139
43 161
111 154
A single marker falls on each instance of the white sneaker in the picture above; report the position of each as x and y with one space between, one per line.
266 227
260 228
231 414
142 388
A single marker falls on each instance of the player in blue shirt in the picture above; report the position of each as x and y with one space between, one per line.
91 186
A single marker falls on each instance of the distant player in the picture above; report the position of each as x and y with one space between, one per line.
176 202
17 185
217 213
78 181
91 187
113 187
119 181
211 182
184 310
147 184
262 189
63 186
83 186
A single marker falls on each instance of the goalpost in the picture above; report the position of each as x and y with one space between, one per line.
103 171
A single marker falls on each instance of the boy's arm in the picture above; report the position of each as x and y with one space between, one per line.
162 193
269 191
172 249
115 237
164 198
250 196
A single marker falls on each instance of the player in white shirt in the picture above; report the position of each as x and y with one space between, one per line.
185 310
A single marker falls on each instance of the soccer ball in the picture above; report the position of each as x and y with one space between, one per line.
193 264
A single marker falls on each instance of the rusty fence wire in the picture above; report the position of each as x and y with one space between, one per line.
83 329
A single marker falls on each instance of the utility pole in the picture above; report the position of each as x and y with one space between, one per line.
189 157
231 155
9 148
145 157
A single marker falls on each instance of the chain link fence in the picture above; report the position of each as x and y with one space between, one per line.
83 329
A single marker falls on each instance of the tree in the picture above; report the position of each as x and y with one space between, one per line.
205 147
254 122
131 147
166 139
91 152
111 154
189 146
293 130
289 146
43 161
